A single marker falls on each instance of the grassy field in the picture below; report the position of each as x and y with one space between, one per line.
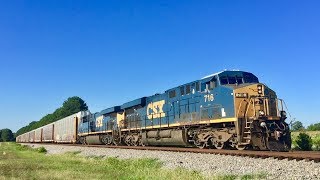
312 134
21 162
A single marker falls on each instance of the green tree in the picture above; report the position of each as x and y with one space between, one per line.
297 126
0 136
316 142
71 106
7 135
304 142
314 127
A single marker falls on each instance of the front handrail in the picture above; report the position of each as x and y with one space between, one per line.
266 106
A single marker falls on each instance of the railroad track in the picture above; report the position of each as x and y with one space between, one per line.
292 155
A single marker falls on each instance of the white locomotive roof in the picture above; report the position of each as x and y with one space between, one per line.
212 74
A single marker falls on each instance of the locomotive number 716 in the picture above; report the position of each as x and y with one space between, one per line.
208 97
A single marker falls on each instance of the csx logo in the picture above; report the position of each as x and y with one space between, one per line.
155 109
99 121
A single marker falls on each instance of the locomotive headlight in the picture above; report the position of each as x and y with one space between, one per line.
259 89
263 124
261 113
283 114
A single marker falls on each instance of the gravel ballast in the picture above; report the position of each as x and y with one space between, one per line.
208 164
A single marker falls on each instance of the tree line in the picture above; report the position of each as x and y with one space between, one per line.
71 106
298 126
6 135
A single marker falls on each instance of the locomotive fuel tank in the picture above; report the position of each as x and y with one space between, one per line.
165 138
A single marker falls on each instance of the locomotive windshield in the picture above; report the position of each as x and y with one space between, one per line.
250 78
237 78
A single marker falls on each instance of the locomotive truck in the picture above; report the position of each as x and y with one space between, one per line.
228 109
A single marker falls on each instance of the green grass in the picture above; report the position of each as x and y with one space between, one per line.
22 162
313 134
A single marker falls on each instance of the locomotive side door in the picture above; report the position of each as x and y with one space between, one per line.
172 105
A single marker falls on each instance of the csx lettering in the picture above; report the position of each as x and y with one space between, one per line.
99 121
155 109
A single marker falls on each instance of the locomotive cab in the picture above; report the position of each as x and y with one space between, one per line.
246 109
261 117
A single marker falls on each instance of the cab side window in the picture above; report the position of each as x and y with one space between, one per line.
223 80
172 94
182 90
197 86
239 80
210 85
188 89
232 80
213 83
203 86
85 119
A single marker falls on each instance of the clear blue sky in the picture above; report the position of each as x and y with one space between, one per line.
110 52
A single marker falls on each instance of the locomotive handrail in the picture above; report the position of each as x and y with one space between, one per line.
240 106
265 105
250 100
137 123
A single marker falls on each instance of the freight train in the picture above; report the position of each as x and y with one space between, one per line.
229 109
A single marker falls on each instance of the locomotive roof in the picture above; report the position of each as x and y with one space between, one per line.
111 110
211 75
142 101
214 74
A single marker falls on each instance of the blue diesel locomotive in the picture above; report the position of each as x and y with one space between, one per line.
222 110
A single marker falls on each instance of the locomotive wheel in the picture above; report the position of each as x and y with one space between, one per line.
199 144
107 139
202 146
219 145
140 143
116 141
82 140
241 147
128 141
134 141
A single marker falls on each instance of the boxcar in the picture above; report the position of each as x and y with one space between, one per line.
66 129
31 136
62 131
47 133
38 135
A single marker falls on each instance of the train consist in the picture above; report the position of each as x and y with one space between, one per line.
229 109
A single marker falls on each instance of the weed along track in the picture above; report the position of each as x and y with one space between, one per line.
293 155
208 162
